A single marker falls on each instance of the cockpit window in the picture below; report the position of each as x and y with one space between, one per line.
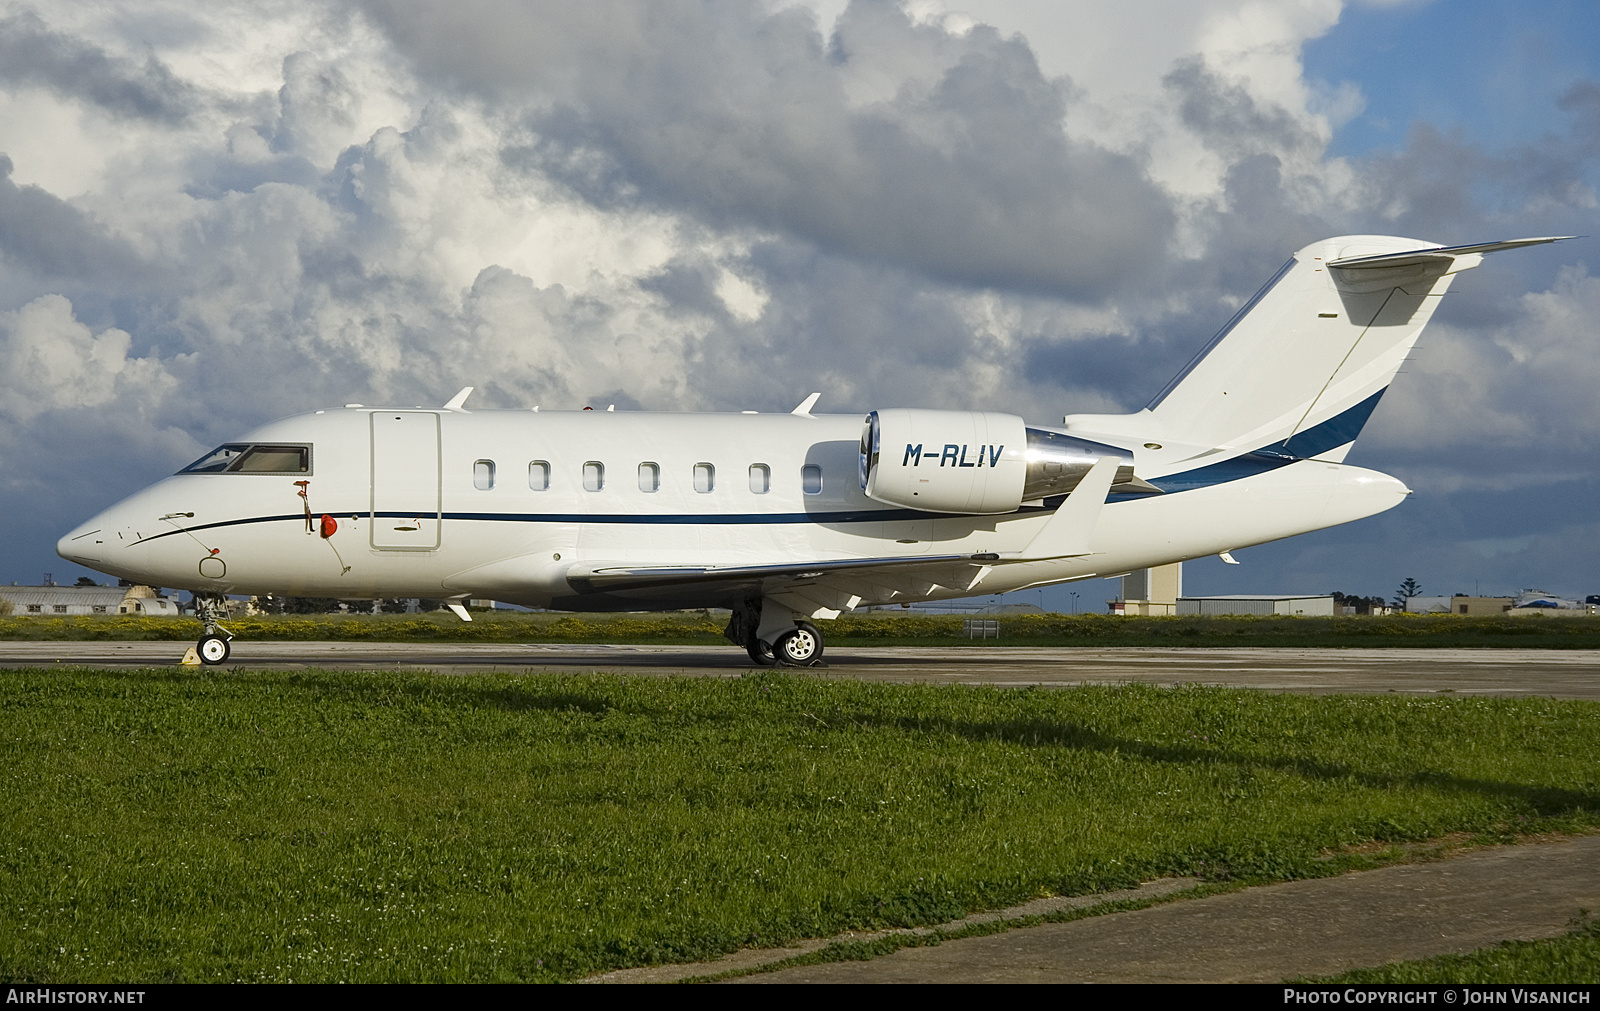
243 458
216 461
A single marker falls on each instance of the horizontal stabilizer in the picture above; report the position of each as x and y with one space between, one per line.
1413 257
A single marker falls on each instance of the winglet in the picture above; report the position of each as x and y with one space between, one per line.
459 399
1068 532
804 410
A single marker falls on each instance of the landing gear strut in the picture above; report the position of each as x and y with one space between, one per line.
213 647
774 642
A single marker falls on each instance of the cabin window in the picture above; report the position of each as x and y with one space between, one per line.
649 477
760 478
594 475
483 474
705 478
811 479
539 475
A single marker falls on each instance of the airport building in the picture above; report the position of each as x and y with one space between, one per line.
1150 591
1530 603
66 601
1159 591
1257 604
1461 604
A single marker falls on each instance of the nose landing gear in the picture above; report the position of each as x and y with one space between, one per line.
213 648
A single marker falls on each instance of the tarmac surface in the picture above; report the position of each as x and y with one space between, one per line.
1558 673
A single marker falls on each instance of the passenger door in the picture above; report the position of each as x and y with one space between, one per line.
405 480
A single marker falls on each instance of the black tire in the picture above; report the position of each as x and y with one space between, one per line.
761 654
213 649
799 647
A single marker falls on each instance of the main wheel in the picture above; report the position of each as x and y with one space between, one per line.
213 649
799 647
761 654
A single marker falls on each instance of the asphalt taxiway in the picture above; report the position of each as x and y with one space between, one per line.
1554 673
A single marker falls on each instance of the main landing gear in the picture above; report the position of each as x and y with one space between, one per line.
778 641
213 648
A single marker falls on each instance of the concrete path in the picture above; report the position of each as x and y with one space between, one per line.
1559 673
754 958
1272 933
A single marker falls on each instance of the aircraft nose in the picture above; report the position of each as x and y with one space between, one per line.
85 545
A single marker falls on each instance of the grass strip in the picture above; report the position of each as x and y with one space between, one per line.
696 628
1572 958
200 825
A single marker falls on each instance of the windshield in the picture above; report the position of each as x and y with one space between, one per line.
244 458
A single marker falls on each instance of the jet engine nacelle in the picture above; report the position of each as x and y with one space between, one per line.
972 462
944 461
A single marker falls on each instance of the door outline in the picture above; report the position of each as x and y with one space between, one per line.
386 452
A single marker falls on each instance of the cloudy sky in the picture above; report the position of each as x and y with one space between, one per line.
216 214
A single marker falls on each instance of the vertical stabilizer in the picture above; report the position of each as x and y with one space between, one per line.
1302 365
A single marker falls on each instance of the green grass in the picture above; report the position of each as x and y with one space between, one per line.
200 825
1574 958
887 629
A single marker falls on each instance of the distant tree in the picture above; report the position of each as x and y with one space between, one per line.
310 605
85 581
1361 605
5 607
1408 589
394 606
268 603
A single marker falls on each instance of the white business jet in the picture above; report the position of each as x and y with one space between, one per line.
787 518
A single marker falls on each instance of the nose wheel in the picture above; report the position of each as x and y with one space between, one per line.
213 649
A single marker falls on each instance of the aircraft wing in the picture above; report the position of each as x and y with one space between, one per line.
822 589
834 585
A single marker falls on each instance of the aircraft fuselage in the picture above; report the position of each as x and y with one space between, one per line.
510 504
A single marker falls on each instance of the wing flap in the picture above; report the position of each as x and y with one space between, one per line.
606 577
